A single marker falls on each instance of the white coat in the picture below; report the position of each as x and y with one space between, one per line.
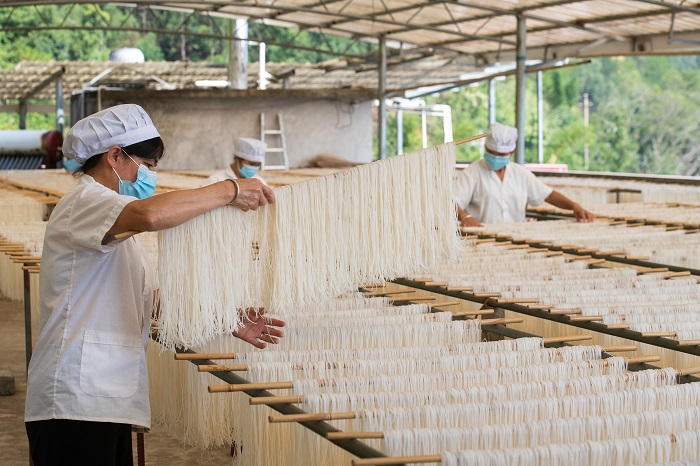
96 302
482 194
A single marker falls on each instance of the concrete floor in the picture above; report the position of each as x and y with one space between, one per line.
161 448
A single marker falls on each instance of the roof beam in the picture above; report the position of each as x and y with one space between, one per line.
350 18
540 6
493 13
605 19
656 44
322 3
434 25
279 11
48 80
502 11
168 31
601 19
674 7
392 11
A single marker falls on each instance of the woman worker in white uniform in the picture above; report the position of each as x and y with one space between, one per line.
87 383
491 190
248 157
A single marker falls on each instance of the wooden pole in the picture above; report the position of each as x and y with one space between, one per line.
126 234
516 300
502 321
480 312
353 435
688 371
239 387
222 367
688 342
470 139
564 311
275 400
640 359
444 304
202 356
311 417
385 293
618 348
396 460
586 318
566 339
659 334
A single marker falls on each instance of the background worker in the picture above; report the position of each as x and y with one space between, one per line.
492 190
248 157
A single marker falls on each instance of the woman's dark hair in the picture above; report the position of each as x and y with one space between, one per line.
150 149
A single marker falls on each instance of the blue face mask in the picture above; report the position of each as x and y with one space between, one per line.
248 171
143 187
71 165
496 162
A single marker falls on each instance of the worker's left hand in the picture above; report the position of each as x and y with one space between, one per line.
257 329
582 215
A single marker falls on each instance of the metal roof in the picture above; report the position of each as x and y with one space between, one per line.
429 41
481 31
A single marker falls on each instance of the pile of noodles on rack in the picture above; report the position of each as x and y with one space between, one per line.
428 385
661 244
648 301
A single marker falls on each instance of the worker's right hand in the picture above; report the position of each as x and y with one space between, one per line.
258 329
252 194
470 222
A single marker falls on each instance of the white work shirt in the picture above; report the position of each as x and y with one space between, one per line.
226 174
482 194
96 303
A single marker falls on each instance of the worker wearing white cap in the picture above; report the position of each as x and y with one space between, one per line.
87 382
248 157
492 190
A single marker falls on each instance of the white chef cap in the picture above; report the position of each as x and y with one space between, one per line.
501 138
252 150
121 125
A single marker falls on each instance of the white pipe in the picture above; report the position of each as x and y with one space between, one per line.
262 81
540 120
520 89
399 131
238 61
21 141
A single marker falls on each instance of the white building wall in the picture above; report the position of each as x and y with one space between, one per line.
199 130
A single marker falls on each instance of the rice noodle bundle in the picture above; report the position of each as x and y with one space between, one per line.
321 238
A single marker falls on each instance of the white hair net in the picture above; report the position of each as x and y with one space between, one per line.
501 138
121 125
252 150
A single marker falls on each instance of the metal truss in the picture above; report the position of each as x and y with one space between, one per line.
148 18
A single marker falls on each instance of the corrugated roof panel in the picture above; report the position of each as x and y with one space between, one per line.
451 25
561 36
584 11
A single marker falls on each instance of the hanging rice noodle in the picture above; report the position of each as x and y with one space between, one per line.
321 238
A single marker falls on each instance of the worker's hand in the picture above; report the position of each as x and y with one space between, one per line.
253 194
469 221
582 215
257 329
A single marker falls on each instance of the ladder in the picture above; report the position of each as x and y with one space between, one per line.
276 155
